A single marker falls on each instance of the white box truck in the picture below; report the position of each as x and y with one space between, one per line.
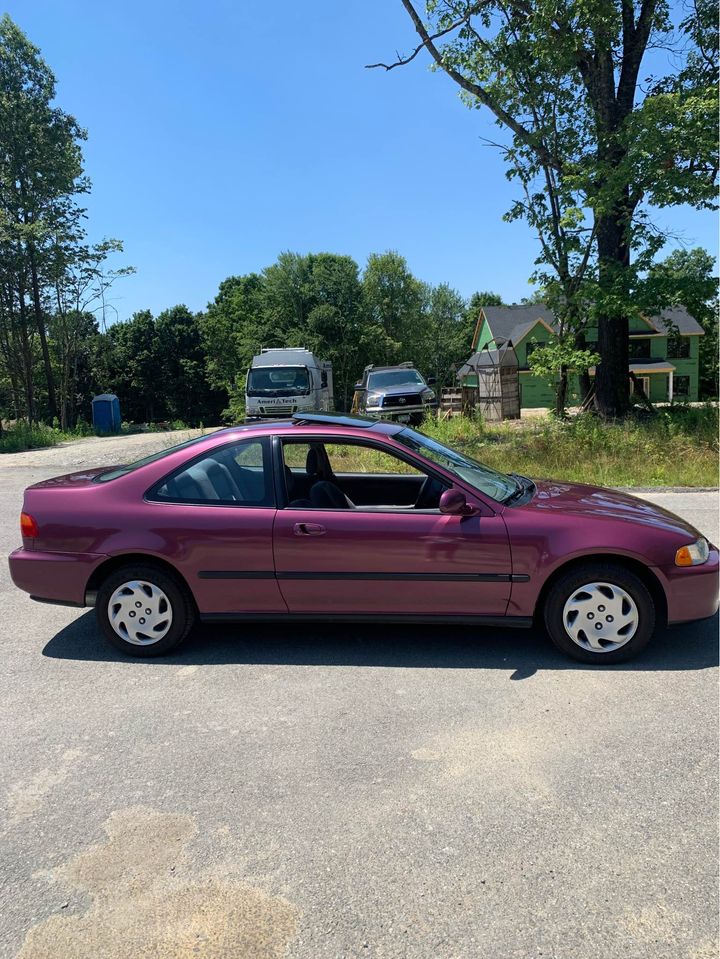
281 382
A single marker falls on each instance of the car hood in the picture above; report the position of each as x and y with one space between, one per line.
400 390
599 503
73 480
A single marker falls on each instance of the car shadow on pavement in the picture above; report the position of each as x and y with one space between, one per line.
694 646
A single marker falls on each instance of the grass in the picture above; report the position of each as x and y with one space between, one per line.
676 447
21 436
24 437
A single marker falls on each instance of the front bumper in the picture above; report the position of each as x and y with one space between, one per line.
400 412
691 591
54 577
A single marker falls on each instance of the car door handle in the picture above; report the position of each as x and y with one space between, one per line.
309 529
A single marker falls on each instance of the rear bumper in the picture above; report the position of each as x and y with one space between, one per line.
53 577
692 591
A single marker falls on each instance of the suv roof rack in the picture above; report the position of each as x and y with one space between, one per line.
406 365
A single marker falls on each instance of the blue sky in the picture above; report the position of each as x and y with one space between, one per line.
222 133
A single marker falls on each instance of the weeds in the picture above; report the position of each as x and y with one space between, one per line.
676 447
24 437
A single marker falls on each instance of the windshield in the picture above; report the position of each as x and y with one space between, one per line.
123 470
278 381
496 485
389 378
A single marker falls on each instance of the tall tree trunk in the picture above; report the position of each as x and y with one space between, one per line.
561 392
27 364
584 381
40 325
611 377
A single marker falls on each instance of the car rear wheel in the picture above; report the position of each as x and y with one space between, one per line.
144 611
600 613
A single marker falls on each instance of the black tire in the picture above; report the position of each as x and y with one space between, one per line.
183 608
616 575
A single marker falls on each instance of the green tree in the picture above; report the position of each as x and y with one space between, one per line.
395 302
187 394
337 326
232 331
558 360
40 175
563 82
78 281
135 366
689 278
448 341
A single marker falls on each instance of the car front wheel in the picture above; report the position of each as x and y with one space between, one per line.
600 613
144 611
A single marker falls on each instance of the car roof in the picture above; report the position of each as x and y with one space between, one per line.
305 422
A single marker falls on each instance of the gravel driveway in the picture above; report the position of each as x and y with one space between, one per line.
350 791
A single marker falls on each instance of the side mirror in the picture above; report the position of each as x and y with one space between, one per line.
358 386
323 379
431 380
453 503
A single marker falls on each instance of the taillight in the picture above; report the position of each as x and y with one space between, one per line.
28 526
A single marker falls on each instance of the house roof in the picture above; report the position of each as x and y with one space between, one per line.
652 366
515 322
676 316
486 360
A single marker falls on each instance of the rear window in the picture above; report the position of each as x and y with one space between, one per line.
146 460
236 475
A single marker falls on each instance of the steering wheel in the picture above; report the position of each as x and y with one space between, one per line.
429 494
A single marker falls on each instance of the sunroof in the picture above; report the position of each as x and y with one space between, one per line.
335 419
343 419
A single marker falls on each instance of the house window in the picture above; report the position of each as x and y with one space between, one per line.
533 345
678 348
681 386
640 349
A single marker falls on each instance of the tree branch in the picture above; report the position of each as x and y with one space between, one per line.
402 61
634 46
475 89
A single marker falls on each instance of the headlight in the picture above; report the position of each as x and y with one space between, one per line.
374 399
429 397
693 555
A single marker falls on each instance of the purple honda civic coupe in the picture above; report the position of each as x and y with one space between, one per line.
343 518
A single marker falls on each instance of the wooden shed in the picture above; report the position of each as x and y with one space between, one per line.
490 382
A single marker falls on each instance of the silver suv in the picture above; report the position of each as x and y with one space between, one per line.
394 393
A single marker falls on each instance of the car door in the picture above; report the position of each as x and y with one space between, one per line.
212 518
390 560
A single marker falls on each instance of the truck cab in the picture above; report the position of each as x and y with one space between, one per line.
281 382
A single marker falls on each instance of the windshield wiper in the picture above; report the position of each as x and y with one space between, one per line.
520 487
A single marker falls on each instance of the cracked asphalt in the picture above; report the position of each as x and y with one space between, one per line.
326 792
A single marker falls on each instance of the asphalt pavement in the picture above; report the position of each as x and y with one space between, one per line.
351 791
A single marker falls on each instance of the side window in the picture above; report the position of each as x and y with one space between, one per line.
366 459
237 475
326 475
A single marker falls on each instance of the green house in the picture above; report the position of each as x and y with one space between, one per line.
664 352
